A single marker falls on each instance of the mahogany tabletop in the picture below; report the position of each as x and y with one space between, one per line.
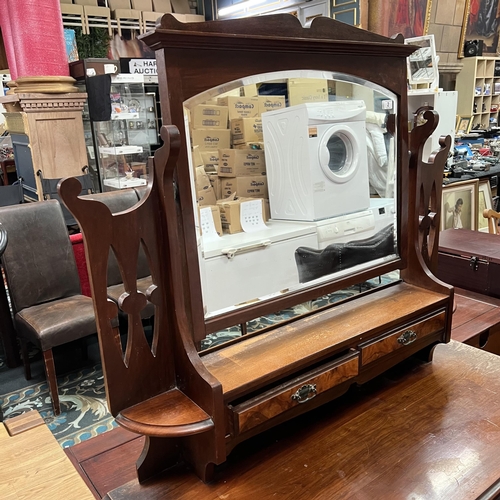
428 431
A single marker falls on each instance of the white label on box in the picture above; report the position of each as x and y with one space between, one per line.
251 216
207 224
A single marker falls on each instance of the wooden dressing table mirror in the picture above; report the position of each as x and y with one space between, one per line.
195 405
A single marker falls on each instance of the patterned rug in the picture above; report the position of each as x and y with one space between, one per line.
84 412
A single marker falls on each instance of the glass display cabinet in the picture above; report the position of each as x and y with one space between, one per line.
118 148
286 176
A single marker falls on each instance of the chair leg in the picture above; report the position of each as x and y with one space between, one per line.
50 373
26 359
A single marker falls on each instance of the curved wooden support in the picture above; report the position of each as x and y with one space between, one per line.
157 455
427 176
162 391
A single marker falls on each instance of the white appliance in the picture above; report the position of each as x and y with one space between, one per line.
246 267
316 160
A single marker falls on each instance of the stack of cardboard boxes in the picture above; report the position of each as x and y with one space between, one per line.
228 149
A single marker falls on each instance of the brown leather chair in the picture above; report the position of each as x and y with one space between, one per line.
43 282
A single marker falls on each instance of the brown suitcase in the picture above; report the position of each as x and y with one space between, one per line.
470 260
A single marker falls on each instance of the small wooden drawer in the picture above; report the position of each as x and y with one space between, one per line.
381 346
294 393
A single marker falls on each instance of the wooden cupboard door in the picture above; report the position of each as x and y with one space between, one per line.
386 344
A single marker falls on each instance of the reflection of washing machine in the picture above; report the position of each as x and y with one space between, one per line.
316 160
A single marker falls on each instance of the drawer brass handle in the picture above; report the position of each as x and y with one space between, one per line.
305 393
407 337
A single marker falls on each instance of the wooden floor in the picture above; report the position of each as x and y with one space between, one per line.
427 431
33 465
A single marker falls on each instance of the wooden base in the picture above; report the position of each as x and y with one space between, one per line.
423 430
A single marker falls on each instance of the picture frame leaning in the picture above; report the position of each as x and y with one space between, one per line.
459 205
463 125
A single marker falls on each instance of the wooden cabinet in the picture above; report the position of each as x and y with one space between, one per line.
232 392
479 91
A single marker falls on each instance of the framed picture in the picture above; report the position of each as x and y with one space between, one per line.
463 124
480 22
459 205
485 202
408 17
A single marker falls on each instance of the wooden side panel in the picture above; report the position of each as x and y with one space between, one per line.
377 349
277 401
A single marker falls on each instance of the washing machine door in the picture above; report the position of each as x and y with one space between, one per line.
339 153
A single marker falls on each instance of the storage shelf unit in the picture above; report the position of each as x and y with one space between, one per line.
479 91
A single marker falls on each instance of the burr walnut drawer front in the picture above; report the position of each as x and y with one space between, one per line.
381 346
294 393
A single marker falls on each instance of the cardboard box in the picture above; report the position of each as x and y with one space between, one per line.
205 194
216 216
209 116
249 90
246 130
304 90
216 183
230 214
211 139
240 107
248 187
197 158
271 102
241 162
210 160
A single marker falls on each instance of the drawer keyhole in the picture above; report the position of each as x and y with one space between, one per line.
407 337
305 393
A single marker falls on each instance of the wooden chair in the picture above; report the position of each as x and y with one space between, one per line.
493 220
148 17
95 16
43 283
73 15
163 6
126 17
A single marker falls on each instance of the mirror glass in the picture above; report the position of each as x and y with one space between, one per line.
293 177
422 64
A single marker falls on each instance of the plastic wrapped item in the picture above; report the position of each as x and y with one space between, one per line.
6 150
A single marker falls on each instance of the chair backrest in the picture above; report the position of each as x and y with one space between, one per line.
38 260
92 3
162 6
144 5
118 201
11 195
119 4
49 188
493 220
